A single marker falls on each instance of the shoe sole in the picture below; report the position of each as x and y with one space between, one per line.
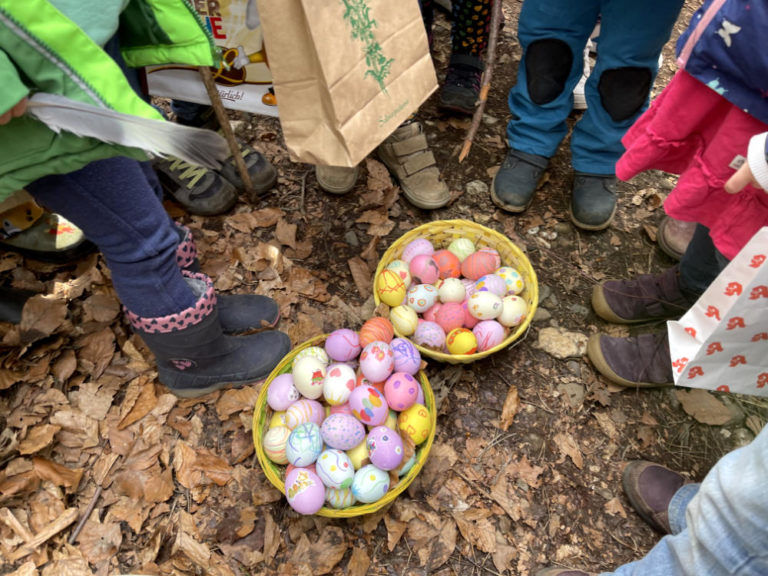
592 227
595 355
634 498
198 392
339 190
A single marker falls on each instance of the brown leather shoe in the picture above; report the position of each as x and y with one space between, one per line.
674 236
650 488
553 571
639 362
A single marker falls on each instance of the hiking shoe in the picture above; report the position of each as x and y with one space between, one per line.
650 488
336 179
461 88
593 202
645 298
674 236
518 178
263 174
199 190
407 155
641 362
554 571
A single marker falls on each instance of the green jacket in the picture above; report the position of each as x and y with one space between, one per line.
42 50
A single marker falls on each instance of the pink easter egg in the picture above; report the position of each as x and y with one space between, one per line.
401 390
450 316
494 254
342 431
431 313
416 247
303 411
341 409
423 269
369 405
469 286
343 345
478 264
281 392
377 361
489 334
469 320
304 490
385 448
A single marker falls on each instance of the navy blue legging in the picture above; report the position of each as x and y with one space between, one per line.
116 204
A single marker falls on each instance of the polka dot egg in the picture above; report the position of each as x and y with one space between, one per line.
421 297
512 279
385 448
342 431
400 391
491 283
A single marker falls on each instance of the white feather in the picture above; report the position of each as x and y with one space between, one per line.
161 138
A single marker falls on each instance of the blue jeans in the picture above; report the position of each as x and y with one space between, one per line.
632 35
719 527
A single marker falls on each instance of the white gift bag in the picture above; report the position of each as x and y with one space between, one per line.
721 343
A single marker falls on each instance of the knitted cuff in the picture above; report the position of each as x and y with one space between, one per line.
758 163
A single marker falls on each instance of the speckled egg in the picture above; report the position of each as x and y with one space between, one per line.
407 356
338 384
304 490
424 269
404 319
302 411
304 444
514 310
429 335
484 305
385 448
274 443
359 455
416 247
400 391
431 314
343 345
339 497
512 279
461 247
335 468
368 405
342 431
461 341
308 375
281 392
401 268
421 297
390 287
491 283
415 423
376 329
489 334
450 316
407 466
377 361
478 264
370 484
277 419
448 264
451 290
469 320
313 351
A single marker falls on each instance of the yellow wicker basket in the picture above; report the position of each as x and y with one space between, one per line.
441 233
275 473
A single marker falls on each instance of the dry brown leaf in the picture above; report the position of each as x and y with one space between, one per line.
361 274
606 424
64 366
267 217
95 351
523 470
477 529
569 447
379 179
328 551
380 224
614 508
395 530
60 475
41 316
510 408
187 542
285 232
358 563
646 435
198 468
68 566
703 406
101 308
26 569
144 402
99 541
38 438
130 511
504 556
236 400
442 546
304 282
272 538
10 377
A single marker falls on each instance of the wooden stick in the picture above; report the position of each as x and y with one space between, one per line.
7 517
86 515
66 518
487 75
221 114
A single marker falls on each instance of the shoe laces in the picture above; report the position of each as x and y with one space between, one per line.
187 171
464 77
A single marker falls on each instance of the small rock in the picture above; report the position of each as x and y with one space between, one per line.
542 315
544 292
351 238
579 310
477 187
573 392
561 343
574 368
489 120
741 437
552 301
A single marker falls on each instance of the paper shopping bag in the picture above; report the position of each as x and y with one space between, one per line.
721 343
346 73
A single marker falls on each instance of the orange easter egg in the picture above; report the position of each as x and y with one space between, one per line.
479 264
448 264
376 329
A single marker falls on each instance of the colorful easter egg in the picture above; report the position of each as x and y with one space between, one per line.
274 443
377 328
431 314
340 409
338 384
401 268
421 297
370 484
416 247
339 497
377 361
484 305
335 468
494 254
424 269
343 345
514 311
407 356
415 423
489 334
304 410
390 287
450 316
368 405
342 431
404 319
400 391
512 279
448 264
461 341
277 419
313 351
461 247
430 335
405 468
308 375
491 283
469 287
304 444
359 455
478 264
451 290
281 392
363 381
304 490
311 467
385 448
469 320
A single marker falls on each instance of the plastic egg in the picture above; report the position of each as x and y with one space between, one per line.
424 269
478 264
277 419
429 335
335 468
304 444
281 392
339 497
385 448
512 279
484 305
343 345
304 490
489 334
308 375
404 319
491 283
342 431
448 264
461 341
274 443
377 361
416 247
338 384
513 312
451 290
368 405
400 267
421 297
390 287
450 316
400 392
314 352
494 254
431 314
374 329
407 356
303 411
359 455
407 466
462 247
370 484
414 423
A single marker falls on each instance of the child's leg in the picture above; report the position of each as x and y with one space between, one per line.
471 23
701 263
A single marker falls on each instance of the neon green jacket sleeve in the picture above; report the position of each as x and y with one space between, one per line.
13 88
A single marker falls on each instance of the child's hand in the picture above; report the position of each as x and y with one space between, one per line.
740 179
14 112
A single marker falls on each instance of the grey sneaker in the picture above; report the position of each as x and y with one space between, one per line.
336 179
199 190
518 178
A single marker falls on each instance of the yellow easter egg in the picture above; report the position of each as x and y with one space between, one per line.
461 341
390 287
278 419
415 423
404 319
359 455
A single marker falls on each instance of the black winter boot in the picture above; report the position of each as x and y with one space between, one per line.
194 355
